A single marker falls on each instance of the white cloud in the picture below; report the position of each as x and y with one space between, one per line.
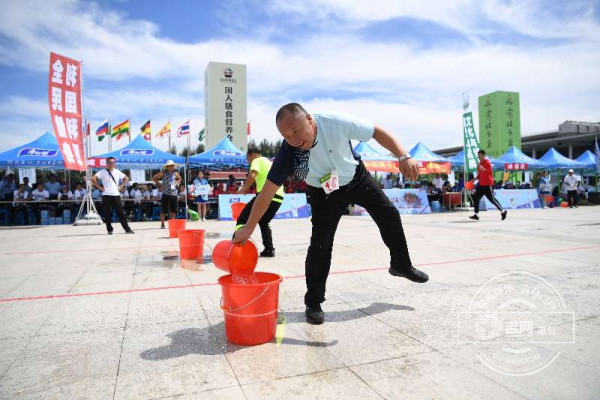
414 91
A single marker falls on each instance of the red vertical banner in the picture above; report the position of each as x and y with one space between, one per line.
64 99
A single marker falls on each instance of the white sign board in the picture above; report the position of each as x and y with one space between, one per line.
225 104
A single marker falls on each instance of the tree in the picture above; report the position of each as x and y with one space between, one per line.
200 149
173 149
186 152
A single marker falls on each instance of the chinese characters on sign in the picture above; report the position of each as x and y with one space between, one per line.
229 112
471 144
64 98
516 167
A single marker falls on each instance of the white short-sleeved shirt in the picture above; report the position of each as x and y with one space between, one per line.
40 195
110 187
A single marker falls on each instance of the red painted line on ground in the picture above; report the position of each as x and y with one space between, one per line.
153 289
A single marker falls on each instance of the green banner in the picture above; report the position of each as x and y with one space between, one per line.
499 122
471 145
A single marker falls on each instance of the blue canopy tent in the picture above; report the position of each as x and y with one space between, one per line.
367 153
141 154
421 153
458 161
555 160
224 153
514 155
589 159
43 152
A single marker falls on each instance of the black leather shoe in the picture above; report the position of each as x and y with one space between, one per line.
315 315
130 232
267 253
475 217
412 274
110 232
504 214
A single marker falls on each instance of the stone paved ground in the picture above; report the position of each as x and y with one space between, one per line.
87 315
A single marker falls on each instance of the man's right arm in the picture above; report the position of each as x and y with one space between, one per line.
95 183
261 204
156 177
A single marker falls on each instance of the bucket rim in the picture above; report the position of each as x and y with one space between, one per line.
278 279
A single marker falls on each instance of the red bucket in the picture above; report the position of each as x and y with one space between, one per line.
174 226
250 310
235 259
236 210
191 243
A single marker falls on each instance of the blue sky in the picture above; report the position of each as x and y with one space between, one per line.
400 64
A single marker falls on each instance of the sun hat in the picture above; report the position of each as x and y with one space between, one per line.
170 162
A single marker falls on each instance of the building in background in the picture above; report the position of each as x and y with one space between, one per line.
225 104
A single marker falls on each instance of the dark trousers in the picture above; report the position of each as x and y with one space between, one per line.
110 202
486 191
326 213
572 197
265 229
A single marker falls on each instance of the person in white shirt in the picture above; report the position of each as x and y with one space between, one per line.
388 182
19 206
438 182
40 194
113 181
79 192
570 184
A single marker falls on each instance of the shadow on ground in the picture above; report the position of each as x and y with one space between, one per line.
204 340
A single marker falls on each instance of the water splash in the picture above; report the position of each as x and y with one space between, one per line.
246 278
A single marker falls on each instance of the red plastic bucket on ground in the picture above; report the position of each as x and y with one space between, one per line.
191 244
174 226
250 310
235 259
236 210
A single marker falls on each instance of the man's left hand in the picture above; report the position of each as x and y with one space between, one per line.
410 169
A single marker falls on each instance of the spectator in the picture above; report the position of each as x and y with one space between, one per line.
498 185
40 193
65 193
581 191
27 186
79 192
201 189
8 188
388 182
53 187
182 195
438 182
232 185
19 197
570 186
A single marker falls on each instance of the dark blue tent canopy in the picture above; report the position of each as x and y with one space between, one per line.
556 160
141 154
41 153
514 155
224 153
367 153
421 153
589 159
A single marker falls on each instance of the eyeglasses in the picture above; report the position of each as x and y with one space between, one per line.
111 162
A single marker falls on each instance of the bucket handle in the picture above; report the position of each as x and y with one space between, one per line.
245 305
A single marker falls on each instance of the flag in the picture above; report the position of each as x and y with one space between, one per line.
201 135
597 157
102 131
145 129
165 130
184 129
248 129
120 130
88 129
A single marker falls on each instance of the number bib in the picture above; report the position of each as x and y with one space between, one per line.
330 182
